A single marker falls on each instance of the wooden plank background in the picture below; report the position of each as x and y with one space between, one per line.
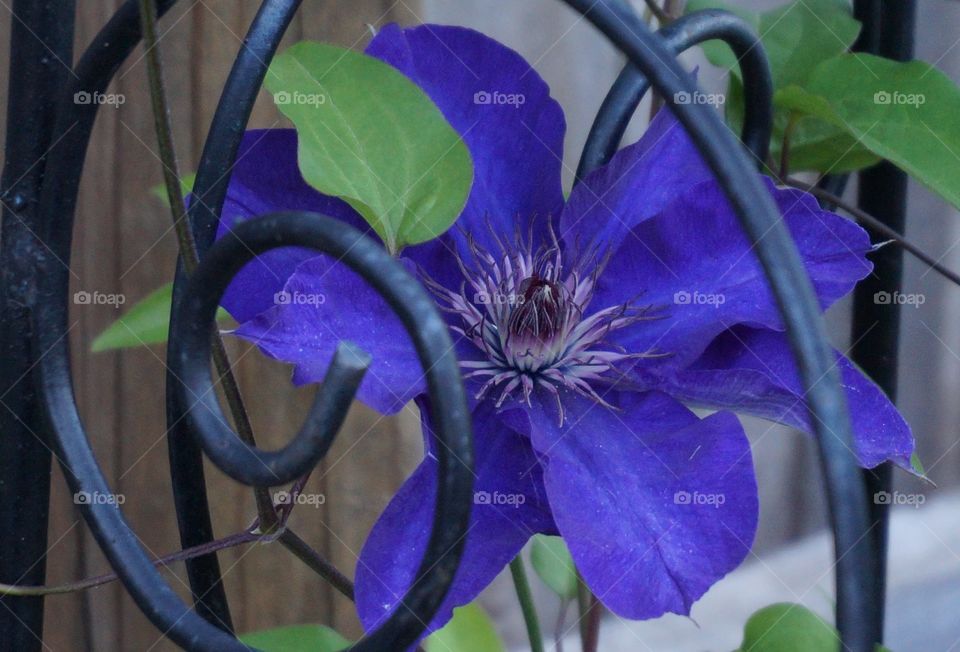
124 244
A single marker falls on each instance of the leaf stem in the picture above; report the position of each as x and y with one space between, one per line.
786 143
560 628
188 247
525 597
302 550
238 539
590 612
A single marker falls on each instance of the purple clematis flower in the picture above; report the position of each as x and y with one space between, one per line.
584 327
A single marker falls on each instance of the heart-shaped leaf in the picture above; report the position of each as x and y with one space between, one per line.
553 564
368 134
147 322
788 627
470 630
796 36
907 113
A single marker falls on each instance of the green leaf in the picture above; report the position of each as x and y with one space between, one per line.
470 630
907 113
145 323
801 35
787 627
553 564
814 143
186 187
296 638
368 134
819 145
796 36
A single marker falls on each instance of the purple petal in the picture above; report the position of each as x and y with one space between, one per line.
515 140
324 302
753 371
655 504
638 182
266 179
509 507
695 268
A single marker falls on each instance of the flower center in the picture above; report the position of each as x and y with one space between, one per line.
540 314
525 311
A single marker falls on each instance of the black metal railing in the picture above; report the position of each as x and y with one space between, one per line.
46 144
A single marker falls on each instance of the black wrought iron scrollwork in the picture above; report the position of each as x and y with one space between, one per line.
42 287
631 85
797 302
210 187
431 338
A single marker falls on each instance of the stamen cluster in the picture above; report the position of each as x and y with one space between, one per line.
526 310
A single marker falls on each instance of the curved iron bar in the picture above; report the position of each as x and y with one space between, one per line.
631 85
855 551
244 463
120 545
118 542
213 175
421 318
231 117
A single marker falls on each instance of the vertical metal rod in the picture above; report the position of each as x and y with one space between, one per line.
888 31
41 51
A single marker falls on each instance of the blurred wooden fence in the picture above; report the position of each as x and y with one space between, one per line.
124 244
